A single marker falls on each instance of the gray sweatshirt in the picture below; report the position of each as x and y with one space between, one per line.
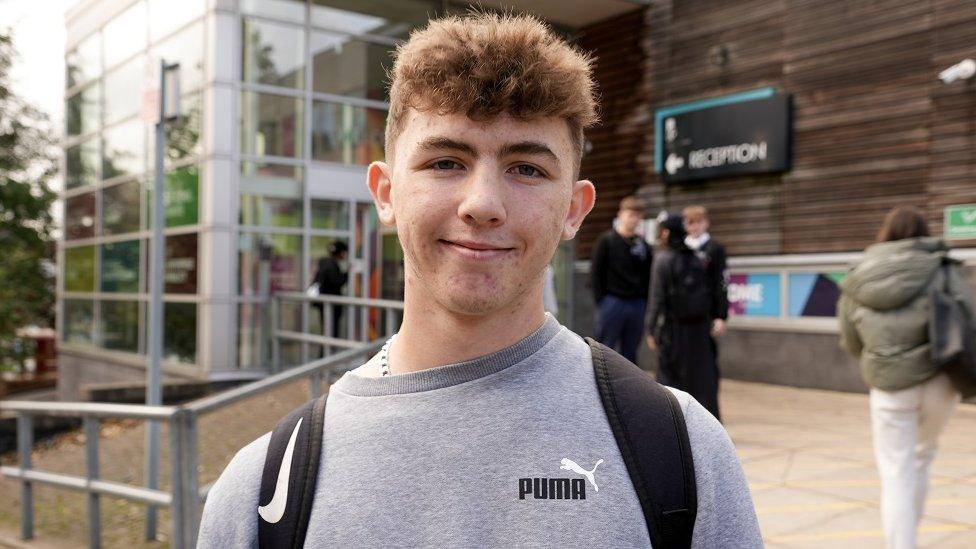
439 457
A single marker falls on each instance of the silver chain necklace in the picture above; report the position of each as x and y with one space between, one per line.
384 357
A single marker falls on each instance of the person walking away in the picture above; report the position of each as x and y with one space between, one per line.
679 318
330 279
883 314
620 272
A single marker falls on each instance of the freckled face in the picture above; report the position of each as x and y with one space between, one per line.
481 206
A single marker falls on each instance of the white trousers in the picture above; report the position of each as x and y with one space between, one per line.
906 426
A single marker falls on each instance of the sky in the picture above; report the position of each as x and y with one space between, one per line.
38 36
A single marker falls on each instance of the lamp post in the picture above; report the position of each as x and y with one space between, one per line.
169 110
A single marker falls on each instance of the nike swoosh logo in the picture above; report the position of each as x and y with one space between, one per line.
275 509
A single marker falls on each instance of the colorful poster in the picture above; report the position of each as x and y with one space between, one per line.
815 294
754 294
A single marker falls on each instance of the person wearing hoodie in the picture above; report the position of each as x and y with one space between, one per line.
883 313
680 317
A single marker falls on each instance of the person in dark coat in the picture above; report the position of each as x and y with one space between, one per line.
330 278
620 272
680 317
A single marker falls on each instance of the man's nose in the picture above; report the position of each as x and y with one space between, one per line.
483 201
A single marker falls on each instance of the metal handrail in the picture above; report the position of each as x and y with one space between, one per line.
185 495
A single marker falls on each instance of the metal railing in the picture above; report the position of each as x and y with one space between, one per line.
185 495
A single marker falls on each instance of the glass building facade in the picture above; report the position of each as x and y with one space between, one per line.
284 104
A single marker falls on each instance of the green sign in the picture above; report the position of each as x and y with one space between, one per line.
960 221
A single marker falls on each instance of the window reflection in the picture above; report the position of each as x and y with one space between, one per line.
79 269
120 267
180 332
346 66
123 90
124 150
269 263
119 329
83 111
81 164
165 16
126 34
83 63
394 19
121 205
181 264
185 48
79 317
271 195
79 216
346 133
271 125
273 54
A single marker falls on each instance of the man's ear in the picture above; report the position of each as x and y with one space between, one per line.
582 201
381 187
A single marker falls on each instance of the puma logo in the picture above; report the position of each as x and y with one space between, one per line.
570 465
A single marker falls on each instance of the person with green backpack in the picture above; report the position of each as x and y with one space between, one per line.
885 314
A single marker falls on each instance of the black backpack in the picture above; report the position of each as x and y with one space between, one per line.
689 294
645 417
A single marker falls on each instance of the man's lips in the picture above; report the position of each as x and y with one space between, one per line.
476 250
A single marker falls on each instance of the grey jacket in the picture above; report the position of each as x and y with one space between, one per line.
884 307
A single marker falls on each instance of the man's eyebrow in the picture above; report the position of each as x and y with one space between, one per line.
529 147
445 143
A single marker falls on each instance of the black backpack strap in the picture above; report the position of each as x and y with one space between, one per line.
651 434
288 489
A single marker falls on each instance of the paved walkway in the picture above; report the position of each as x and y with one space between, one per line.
808 457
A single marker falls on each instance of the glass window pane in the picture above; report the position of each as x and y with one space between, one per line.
269 263
292 10
180 332
182 199
124 150
330 214
181 264
123 90
165 16
121 205
254 339
271 195
79 319
183 134
185 48
393 275
346 66
79 269
346 133
79 216
120 267
271 125
119 325
393 18
81 164
273 54
83 111
84 62
126 34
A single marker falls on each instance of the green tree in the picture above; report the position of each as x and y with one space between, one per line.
28 161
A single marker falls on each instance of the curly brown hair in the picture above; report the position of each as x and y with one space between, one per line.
488 64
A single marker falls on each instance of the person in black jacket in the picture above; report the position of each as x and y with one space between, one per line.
620 273
330 279
716 261
680 317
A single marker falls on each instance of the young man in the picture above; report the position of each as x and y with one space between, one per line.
425 445
680 321
330 278
713 254
620 270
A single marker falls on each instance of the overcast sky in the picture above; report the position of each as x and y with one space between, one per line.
38 35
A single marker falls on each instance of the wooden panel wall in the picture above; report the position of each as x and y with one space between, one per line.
873 126
617 140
